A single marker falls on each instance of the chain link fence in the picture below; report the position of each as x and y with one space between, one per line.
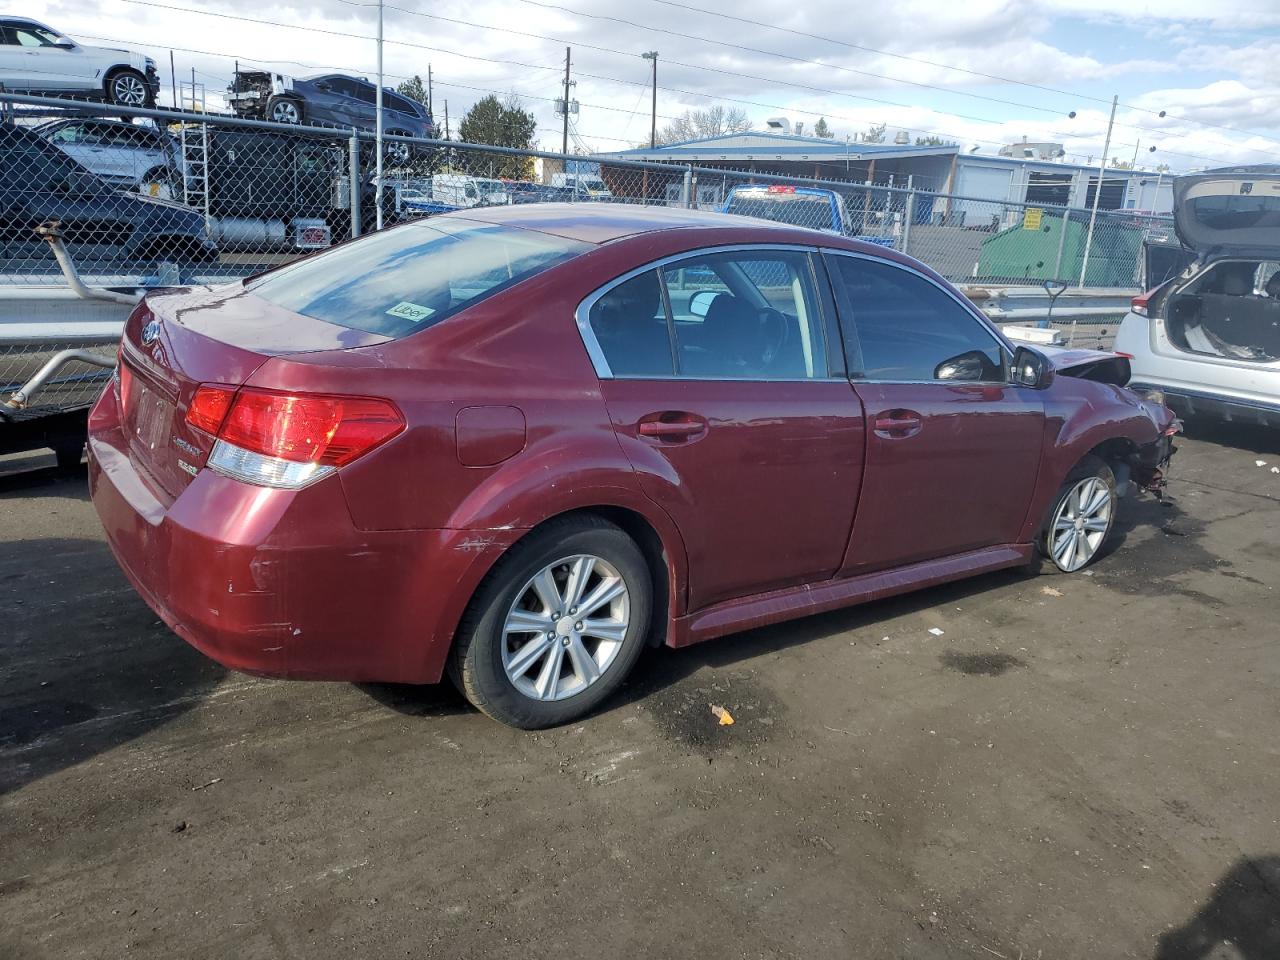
153 197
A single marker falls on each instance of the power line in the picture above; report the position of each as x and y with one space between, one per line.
947 66
612 51
770 80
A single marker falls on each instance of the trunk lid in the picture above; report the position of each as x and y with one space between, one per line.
178 339
1235 210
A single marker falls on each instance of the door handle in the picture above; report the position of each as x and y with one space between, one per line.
898 424
672 426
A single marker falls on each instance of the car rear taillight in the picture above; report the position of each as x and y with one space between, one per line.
209 407
1139 303
289 440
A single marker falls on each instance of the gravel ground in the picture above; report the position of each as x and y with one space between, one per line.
1081 766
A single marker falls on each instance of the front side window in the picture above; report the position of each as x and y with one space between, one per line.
399 281
751 315
908 329
29 35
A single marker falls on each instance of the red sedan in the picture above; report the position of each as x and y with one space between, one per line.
521 443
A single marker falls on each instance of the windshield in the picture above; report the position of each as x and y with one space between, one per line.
790 208
489 186
406 279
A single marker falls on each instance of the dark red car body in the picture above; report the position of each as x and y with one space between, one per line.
798 497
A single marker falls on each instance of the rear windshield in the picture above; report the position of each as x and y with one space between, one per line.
790 208
1236 212
403 280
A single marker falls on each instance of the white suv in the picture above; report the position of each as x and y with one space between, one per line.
35 58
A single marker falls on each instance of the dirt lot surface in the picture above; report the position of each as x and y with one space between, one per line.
1082 766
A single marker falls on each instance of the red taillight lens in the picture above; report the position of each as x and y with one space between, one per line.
308 427
1139 303
209 407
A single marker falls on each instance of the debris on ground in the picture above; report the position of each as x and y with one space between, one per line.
723 715
935 631
1259 463
1051 591
209 784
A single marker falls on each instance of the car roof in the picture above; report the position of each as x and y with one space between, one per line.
596 222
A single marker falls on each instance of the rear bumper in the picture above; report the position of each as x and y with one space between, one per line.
281 583
1188 401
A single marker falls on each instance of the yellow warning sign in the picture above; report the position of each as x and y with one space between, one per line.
1031 219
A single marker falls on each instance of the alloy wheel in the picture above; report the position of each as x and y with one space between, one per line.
1081 523
565 628
285 111
128 90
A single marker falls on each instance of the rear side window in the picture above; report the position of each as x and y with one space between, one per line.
749 315
403 280
909 329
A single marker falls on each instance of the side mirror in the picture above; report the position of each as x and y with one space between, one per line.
973 365
1030 369
700 302
323 85
64 45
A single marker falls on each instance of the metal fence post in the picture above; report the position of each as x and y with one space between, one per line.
686 192
354 204
906 226
1062 240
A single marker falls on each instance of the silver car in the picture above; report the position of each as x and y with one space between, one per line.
1209 338
126 155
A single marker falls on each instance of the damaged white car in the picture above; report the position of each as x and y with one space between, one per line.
1209 339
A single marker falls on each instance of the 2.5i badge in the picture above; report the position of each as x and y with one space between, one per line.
413 312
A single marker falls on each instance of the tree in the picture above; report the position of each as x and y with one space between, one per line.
414 89
820 129
875 133
697 124
503 123
932 141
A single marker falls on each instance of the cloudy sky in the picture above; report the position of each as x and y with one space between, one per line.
981 72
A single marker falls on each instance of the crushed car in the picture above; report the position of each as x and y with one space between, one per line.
1208 339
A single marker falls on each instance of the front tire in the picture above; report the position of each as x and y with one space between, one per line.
1081 518
284 110
127 88
556 626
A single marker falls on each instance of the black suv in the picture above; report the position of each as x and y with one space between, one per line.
330 100
39 182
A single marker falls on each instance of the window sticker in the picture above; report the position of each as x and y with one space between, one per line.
413 312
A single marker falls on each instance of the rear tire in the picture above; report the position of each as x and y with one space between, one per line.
1081 518
530 666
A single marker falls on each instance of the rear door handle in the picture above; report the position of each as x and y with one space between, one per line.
672 426
898 424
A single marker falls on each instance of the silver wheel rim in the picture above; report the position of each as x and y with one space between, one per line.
129 90
565 628
1081 523
284 112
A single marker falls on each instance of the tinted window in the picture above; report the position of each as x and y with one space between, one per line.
399 281
348 88
395 102
630 325
907 328
751 315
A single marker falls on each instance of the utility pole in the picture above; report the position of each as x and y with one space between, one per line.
653 124
377 190
429 106
446 119
564 136
1097 193
173 80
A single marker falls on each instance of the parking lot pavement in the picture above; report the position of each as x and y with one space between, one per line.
1081 766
